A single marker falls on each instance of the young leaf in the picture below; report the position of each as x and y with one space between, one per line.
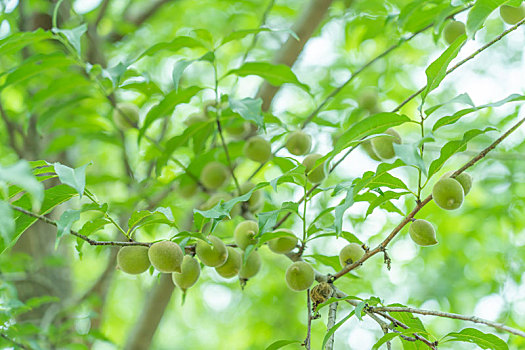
178 69
409 154
67 219
384 339
75 178
250 109
73 35
281 343
471 335
172 46
275 74
18 41
240 34
479 13
384 197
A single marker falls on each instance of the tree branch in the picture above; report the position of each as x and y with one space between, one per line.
308 340
14 342
381 247
304 28
10 128
462 62
332 315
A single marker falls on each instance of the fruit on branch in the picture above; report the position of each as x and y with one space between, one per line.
448 193
422 232
369 149
465 179
453 30
368 101
383 146
187 187
195 119
126 115
511 14
245 232
314 173
232 266
189 275
166 256
350 254
298 143
214 254
214 175
300 276
257 149
239 131
256 201
251 266
283 244
133 259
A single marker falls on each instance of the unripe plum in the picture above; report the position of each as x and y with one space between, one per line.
422 232
189 275
245 232
298 143
369 149
214 175
465 179
251 266
384 145
232 266
166 256
452 31
511 14
257 149
448 193
350 254
316 175
214 254
300 276
283 244
256 201
133 259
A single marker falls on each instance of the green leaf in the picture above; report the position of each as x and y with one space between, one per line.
374 124
483 340
52 197
73 35
335 328
67 219
178 69
331 261
384 339
451 119
7 222
408 319
93 225
479 13
282 343
250 109
141 218
384 197
359 309
17 41
335 299
275 74
240 34
453 147
75 178
409 154
437 70
341 208
21 175
462 98
165 107
172 46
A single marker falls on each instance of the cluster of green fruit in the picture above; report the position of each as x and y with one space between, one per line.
509 14
448 193
168 257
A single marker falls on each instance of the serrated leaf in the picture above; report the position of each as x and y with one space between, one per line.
451 119
479 13
250 109
483 340
141 218
67 219
75 178
275 74
281 343
93 225
453 147
384 197
437 70
165 107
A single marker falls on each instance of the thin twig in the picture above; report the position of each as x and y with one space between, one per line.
421 204
101 12
462 62
307 341
14 342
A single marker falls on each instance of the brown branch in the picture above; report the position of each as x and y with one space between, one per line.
462 62
332 314
382 246
101 13
304 28
308 340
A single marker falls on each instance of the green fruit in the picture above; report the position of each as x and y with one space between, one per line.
298 143
257 149
350 254
195 119
369 149
256 201
251 266
465 179
283 244
239 131
133 259
448 193
368 100
187 187
166 256
126 115
452 31
232 265
300 276
190 272
245 232
317 174
422 232
384 145
214 254
511 14
214 175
